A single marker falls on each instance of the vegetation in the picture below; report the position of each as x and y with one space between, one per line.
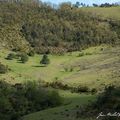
3 68
107 102
45 60
24 58
72 101
31 53
30 31
21 99
55 30
11 56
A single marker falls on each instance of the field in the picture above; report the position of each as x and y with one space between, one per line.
94 67
109 12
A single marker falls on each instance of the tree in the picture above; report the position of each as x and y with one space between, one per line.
45 60
31 53
95 5
10 56
3 68
24 58
77 4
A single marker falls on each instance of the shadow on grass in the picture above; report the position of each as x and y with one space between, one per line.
38 66
19 62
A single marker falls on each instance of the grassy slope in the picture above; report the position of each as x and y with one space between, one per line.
65 112
96 70
93 70
109 12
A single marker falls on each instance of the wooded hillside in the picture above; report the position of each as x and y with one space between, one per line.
45 29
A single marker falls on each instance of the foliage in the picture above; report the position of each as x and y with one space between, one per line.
11 56
24 58
31 53
20 99
45 60
73 89
107 102
55 30
3 68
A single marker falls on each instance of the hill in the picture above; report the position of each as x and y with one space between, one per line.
104 12
82 46
92 68
55 31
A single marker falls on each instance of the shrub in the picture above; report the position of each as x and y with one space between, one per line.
80 89
3 68
94 90
31 53
45 60
81 54
24 58
71 69
66 69
11 56
31 97
88 53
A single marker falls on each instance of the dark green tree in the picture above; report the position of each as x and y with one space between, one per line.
3 68
10 56
24 58
45 60
31 53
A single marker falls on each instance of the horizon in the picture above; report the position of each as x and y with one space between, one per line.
88 2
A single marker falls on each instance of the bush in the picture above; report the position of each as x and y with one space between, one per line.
94 90
66 69
21 99
81 54
80 89
45 60
71 69
24 58
31 53
88 53
3 68
11 56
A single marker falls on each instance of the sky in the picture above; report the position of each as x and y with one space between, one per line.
81 1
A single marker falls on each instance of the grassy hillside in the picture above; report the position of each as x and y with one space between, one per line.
81 44
105 12
96 67
65 112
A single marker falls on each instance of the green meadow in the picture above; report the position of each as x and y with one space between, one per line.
104 12
94 67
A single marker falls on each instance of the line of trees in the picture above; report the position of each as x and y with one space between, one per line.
79 4
106 5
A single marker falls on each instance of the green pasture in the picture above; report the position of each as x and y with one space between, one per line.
95 68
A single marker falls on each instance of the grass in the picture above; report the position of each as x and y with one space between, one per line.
65 112
94 69
99 66
105 12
